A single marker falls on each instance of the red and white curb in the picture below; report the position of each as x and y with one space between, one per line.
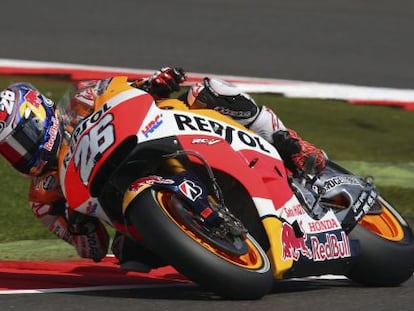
354 94
92 288
79 275
36 277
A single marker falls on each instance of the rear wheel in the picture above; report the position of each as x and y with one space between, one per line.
387 249
234 268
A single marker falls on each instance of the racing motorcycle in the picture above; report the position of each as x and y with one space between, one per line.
215 200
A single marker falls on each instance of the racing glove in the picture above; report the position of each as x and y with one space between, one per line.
299 155
163 82
89 236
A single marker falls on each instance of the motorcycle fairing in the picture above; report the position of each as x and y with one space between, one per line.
259 162
94 139
260 168
263 174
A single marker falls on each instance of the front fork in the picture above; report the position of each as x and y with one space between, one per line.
184 184
272 226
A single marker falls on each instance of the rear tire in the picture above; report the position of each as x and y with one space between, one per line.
231 276
387 249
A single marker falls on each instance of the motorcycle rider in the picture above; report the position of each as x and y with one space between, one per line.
30 140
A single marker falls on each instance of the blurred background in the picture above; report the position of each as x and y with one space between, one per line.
343 41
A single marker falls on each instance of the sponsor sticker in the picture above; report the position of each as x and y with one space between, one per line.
329 246
190 190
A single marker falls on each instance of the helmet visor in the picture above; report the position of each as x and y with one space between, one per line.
21 147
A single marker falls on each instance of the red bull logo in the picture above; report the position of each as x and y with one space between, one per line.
333 248
53 132
293 246
150 180
326 247
32 97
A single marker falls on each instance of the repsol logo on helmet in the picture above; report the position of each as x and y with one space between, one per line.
229 133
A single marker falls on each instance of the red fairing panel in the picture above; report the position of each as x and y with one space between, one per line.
263 175
97 137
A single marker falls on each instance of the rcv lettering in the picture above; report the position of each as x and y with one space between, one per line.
185 122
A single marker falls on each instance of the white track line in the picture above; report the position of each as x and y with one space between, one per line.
91 288
289 88
328 277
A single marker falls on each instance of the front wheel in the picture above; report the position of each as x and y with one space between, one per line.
162 220
387 249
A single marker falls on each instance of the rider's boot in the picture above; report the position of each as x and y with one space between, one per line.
299 155
133 256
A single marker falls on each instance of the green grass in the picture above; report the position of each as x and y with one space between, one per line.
368 140
44 249
349 132
53 87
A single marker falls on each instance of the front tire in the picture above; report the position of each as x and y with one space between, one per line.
387 249
247 276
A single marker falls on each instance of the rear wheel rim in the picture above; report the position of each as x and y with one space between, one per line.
385 224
